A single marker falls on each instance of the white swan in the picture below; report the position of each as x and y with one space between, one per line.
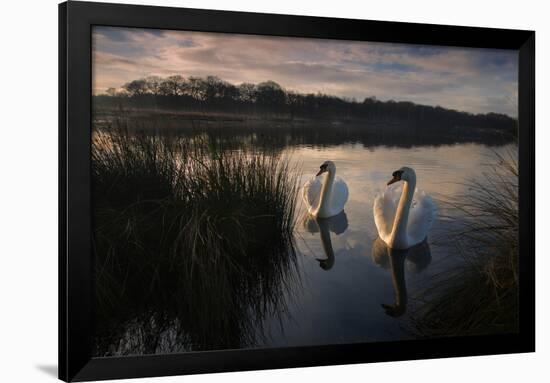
325 199
401 221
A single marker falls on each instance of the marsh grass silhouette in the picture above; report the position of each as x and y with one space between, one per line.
193 243
481 295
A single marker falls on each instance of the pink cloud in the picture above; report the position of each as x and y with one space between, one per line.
476 80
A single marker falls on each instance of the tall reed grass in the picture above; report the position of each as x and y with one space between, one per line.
481 296
190 240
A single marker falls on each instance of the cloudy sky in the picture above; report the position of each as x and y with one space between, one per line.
474 80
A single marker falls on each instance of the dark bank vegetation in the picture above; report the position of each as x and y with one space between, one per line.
193 243
481 296
269 99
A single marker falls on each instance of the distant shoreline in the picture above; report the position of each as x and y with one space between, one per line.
282 131
211 99
228 117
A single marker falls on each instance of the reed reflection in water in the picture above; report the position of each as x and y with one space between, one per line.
194 244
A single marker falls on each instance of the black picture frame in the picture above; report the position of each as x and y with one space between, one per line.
75 200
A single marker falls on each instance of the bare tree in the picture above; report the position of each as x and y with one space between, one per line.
136 87
247 92
173 86
270 93
195 87
154 84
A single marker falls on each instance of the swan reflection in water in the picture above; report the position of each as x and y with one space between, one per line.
418 258
336 224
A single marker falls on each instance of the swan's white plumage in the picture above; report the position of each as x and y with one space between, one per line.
385 206
421 214
421 217
311 194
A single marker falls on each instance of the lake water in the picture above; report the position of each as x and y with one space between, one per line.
350 287
341 302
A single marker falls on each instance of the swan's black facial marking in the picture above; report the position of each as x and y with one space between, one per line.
323 168
398 173
396 176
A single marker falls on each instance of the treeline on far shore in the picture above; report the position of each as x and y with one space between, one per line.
268 99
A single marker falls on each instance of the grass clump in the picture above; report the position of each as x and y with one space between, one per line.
193 243
481 295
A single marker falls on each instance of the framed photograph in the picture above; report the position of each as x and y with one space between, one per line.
246 191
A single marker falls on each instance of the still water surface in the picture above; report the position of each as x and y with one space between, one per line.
350 287
346 276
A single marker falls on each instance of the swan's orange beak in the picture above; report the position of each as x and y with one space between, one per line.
393 180
396 177
323 168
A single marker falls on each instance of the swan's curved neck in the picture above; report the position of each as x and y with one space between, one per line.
326 191
399 237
